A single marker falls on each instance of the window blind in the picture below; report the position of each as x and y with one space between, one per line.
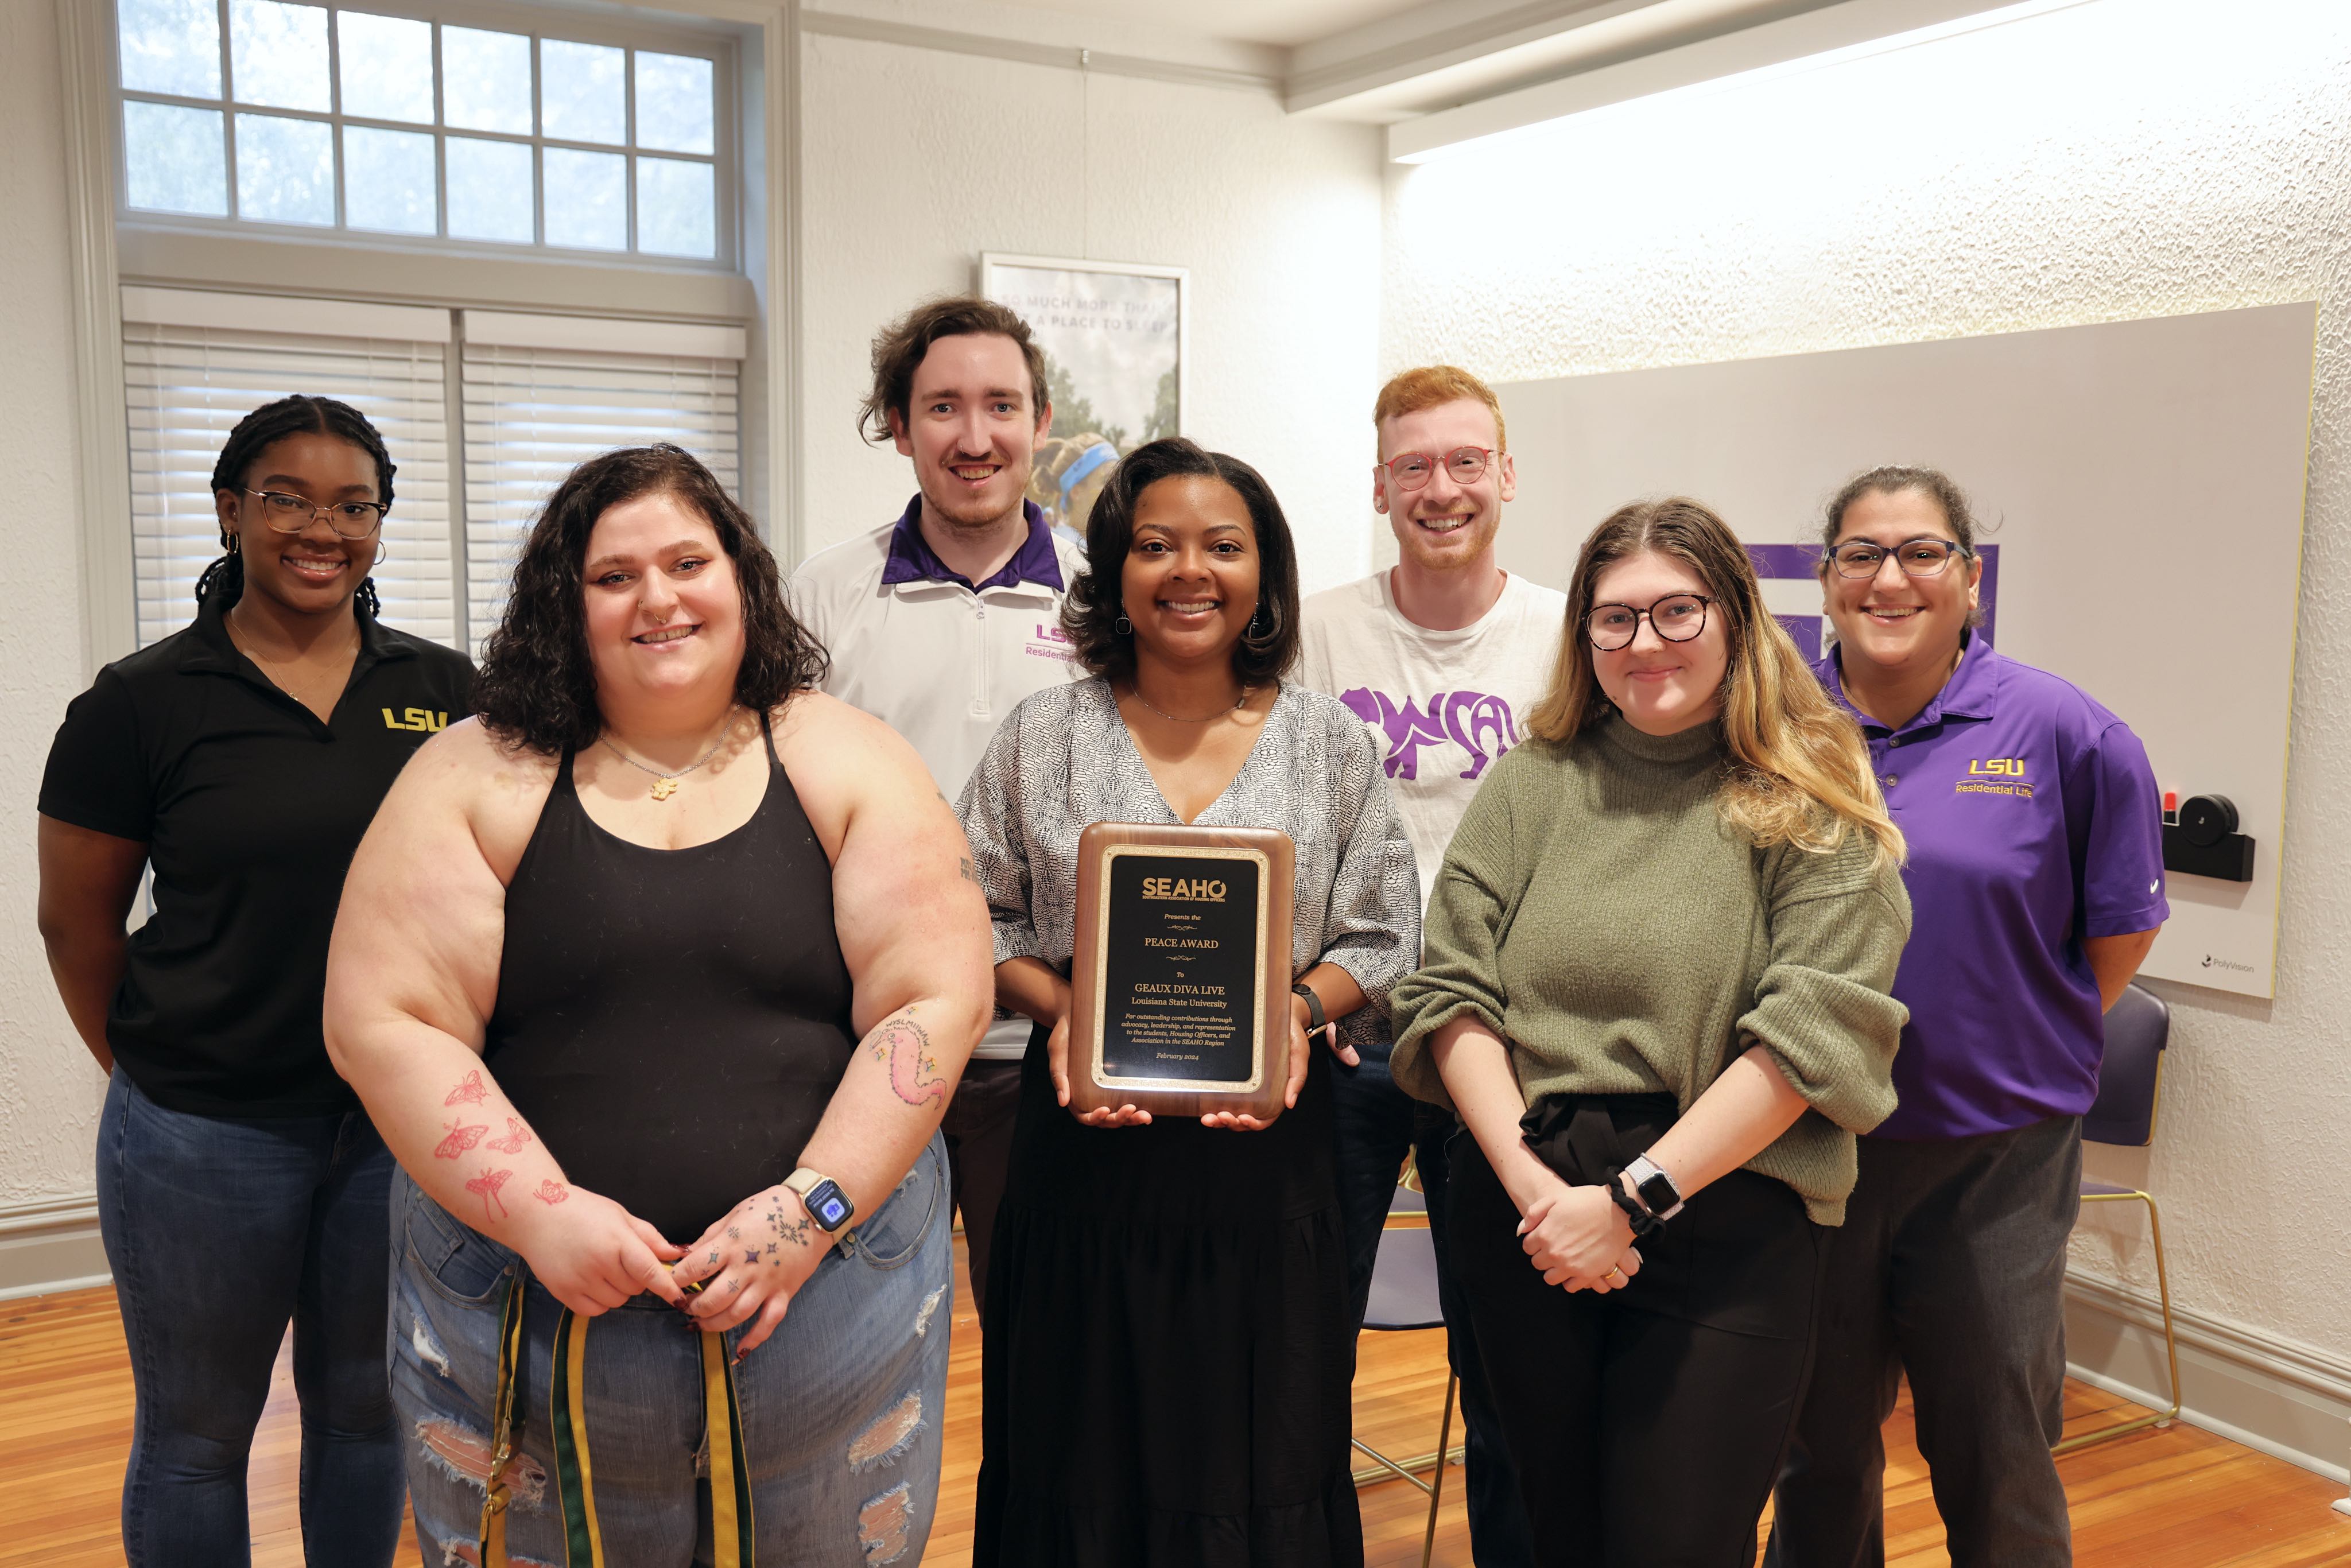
188 385
532 413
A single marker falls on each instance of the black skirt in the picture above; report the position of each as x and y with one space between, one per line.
1167 1378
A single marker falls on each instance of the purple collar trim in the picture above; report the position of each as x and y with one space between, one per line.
912 559
1967 695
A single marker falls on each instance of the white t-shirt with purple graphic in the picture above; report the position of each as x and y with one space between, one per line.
1445 705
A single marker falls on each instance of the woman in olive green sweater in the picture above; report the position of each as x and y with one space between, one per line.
1656 965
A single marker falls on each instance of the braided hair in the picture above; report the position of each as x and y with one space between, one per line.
300 414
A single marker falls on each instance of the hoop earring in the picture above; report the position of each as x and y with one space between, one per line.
1122 626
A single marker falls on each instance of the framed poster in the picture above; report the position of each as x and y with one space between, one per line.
1113 338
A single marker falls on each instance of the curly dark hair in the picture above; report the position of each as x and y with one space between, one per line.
900 347
1096 601
301 415
536 684
1893 479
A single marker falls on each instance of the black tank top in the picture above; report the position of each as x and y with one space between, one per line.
673 1022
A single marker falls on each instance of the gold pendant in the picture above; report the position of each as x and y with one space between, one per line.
664 788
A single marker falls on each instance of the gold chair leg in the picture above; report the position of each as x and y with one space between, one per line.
1436 1490
2170 1339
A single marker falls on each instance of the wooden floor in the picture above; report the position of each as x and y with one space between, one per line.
2175 1499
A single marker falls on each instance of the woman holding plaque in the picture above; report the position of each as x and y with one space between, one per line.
1169 1381
1655 993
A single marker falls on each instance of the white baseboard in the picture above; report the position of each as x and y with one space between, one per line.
50 1244
2280 1397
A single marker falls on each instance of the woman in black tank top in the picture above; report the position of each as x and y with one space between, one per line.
657 978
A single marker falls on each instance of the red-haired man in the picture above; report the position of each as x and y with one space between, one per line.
1442 655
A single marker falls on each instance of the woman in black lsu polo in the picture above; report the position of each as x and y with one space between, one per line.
239 1183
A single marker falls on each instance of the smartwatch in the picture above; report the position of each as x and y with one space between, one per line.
826 1203
1314 1019
1655 1188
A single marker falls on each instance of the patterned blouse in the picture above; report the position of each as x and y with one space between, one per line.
1063 760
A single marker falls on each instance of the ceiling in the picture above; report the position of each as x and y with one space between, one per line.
1285 24
1384 60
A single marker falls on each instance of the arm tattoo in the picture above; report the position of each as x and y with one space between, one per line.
470 1090
963 863
459 1140
905 1046
487 1185
516 1136
551 1192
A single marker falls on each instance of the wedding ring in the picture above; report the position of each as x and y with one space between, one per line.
1617 1275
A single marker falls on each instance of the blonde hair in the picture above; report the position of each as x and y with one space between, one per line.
1799 773
1409 392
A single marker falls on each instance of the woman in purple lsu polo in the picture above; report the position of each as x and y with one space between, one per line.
2037 879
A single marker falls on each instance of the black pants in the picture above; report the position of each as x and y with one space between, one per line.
1951 1262
1376 1122
979 1129
1646 1423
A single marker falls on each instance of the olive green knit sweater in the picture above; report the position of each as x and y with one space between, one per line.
1598 914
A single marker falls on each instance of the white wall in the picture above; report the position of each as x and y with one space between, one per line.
2122 159
49 1089
916 160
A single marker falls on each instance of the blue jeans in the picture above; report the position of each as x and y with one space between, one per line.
1377 1122
839 1410
218 1231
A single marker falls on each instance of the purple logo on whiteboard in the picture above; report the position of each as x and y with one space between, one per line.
1802 562
1478 723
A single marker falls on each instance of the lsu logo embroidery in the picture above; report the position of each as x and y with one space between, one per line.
1995 776
1049 642
424 721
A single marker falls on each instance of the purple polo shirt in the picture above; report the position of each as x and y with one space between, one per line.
2034 822
912 558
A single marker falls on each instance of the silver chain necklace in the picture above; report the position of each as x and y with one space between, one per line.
666 784
1136 687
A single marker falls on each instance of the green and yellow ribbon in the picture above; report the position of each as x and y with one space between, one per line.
583 1543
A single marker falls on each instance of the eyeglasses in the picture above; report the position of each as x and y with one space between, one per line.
1926 556
1676 618
1410 470
291 514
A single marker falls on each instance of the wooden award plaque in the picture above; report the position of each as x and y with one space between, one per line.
1180 979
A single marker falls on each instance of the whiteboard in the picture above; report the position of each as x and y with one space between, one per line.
2144 483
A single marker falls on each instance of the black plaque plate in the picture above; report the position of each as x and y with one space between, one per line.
1183 968
1180 979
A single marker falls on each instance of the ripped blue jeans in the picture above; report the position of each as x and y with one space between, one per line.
839 1410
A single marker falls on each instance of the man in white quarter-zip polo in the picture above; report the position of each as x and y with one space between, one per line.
940 622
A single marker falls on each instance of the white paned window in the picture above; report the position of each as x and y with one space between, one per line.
488 135
535 409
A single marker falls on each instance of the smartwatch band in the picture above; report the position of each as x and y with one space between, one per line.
1314 1019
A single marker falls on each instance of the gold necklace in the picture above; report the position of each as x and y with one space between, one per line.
666 784
270 666
1136 687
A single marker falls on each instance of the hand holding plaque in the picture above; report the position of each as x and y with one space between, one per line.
1179 980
